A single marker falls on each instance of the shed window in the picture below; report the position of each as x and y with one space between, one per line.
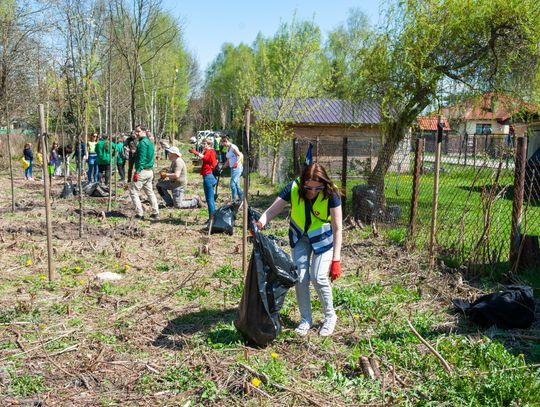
483 128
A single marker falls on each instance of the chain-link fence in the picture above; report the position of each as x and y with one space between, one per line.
476 193
476 201
364 203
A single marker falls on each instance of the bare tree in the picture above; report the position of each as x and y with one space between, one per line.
19 25
140 34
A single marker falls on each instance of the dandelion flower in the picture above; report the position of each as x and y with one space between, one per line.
356 316
274 355
28 262
127 266
77 268
42 277
256 382
81 282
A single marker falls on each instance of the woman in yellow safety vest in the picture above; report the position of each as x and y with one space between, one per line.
315 236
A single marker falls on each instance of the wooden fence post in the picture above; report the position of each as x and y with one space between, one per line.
419 147
517 202
51 270
345 158
246 191
435 195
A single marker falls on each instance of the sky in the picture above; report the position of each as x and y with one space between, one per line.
210 23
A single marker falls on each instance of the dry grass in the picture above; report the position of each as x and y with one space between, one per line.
163 335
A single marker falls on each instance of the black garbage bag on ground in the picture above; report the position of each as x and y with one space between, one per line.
224 218
364 203
508 309
100 190
270 275
68 191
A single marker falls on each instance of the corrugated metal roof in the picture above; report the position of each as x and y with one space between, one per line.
316 111
429 123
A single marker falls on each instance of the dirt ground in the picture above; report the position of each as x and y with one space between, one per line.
164 334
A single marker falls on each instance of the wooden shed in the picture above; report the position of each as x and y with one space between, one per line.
337 129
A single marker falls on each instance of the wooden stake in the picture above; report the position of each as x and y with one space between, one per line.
52 272
435 195
246 190
8 122
517 203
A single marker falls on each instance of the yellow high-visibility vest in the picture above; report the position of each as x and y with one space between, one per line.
320 230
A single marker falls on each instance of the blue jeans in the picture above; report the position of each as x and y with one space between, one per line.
209 181
28 171
93 170
235 182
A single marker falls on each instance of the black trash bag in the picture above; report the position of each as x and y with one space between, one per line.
224 218
364 203
508 309
270 275
100 191
89 188
68 191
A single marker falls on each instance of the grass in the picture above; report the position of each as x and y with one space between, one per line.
463 194
164 334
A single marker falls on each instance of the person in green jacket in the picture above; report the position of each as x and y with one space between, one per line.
104 158
120 159
144 174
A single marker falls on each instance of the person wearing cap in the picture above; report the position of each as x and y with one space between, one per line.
175 180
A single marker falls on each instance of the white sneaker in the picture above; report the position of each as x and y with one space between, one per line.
303 328
328 326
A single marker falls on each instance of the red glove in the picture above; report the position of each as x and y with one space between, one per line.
259 227
235 165
193 151
135 177
335 270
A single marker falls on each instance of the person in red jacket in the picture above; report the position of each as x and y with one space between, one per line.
209 161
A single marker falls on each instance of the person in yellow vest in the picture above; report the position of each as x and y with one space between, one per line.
315 236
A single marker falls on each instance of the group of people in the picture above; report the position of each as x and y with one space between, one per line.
315 219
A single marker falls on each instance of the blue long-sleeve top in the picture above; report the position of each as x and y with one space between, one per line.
76 152
28 154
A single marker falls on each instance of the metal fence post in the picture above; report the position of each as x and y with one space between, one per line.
517 202
419 146
344 160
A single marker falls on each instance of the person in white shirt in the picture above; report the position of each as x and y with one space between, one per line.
234 160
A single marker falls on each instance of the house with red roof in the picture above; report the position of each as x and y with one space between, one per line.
488 123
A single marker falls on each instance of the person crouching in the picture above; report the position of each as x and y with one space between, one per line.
175 180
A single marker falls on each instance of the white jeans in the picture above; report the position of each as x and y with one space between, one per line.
145 183
312 267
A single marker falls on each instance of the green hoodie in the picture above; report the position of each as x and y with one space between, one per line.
102 151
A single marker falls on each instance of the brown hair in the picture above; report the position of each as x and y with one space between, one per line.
316 172
142 127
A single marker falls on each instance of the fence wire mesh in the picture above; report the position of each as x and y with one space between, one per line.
475 191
